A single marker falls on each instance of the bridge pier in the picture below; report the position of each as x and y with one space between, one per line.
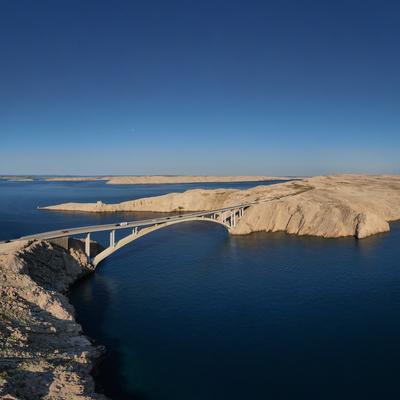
112 238
87 245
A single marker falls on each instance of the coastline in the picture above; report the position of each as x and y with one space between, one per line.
41 343
326 206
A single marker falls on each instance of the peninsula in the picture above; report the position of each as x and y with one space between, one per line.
327 206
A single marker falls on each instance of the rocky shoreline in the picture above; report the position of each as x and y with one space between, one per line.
43 353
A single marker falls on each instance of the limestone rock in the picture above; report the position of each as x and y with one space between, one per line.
43 354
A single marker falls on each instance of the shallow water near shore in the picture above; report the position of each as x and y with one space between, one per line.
190 312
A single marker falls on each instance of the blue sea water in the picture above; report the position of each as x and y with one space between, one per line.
191 313
19 201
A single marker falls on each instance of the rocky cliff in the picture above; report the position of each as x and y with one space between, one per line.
43 354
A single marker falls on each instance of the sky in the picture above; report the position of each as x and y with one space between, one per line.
199 87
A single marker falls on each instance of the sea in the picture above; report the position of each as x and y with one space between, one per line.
190 312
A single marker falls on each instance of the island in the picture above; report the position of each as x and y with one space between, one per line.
16 178
74 179
165 179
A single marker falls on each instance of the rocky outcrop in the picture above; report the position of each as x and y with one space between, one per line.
43 354
327 206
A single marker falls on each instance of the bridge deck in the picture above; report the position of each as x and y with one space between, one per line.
130 224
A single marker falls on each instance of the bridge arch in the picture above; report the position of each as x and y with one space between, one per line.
145 231
227 217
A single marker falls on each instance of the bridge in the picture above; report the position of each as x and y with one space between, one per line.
227 217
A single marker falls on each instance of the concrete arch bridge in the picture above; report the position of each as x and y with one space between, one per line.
227 217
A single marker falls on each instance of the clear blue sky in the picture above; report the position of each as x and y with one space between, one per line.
199 87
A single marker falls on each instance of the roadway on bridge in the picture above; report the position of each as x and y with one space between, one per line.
125 225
